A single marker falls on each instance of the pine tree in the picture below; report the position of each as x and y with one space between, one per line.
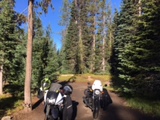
123 46
51 70
38 43
92 12
114 55
65 13
136 48
44 4
147 49
70 45
27 87
104 37
8 41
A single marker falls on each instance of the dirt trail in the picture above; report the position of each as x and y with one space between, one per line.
116 111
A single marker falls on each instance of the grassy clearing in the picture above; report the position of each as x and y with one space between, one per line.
83 78
146 106
9 105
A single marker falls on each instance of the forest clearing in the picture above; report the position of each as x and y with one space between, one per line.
118 46
120 109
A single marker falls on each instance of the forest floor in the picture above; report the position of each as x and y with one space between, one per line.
118 110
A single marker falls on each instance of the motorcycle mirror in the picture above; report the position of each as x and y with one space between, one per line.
88 83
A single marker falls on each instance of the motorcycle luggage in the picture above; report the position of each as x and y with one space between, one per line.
40 94
106 99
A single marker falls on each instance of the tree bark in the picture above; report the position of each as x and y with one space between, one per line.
139 8
104 42
27 92
94 41
81 63
1 79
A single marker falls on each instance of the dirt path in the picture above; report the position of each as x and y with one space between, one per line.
116 111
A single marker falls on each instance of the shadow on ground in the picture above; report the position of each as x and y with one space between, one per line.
118 112
6 104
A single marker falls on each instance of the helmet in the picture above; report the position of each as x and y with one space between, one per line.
45 84
67 90
97 85
46 79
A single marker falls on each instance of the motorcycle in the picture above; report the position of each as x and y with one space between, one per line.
55 101
53 105
93 97
96 103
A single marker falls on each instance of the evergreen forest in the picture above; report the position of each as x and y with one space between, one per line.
124 44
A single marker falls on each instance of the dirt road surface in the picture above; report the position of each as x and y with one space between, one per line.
116 111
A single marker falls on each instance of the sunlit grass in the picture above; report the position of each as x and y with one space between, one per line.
18 105
146 106
9 105
83 77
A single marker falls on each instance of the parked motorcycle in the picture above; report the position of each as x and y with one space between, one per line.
53 105
96 97
93 97
55 101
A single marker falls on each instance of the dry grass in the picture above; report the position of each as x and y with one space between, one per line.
84 78
9 104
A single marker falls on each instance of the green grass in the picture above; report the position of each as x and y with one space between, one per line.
146 106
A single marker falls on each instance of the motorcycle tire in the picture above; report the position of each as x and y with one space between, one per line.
95 114
96 109
49 118
46 118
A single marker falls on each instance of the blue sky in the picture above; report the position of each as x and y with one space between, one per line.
53 16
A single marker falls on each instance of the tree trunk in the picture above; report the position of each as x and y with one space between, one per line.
27 92
1 79
81 63
104 42
94 42
81 50
139 8
93 46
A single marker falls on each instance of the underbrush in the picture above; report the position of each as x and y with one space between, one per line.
146 106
